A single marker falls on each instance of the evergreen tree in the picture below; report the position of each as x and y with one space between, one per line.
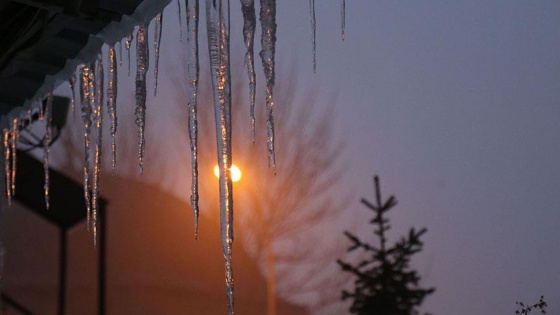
385 284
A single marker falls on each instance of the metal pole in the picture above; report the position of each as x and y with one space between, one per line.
62 273
102 251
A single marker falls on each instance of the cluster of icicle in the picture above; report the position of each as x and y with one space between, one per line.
43 110
92 91
218 21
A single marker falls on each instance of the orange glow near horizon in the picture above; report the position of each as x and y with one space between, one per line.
235 172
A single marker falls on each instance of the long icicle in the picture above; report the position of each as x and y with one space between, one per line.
142 64
15 136
85 77
157 41
218 48
112 104
7 166
98 122
249 22
46 147
313 32
268 43
192 77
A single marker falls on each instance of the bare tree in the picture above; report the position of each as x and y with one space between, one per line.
280 215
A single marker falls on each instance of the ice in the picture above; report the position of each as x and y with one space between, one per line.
112 104
127 44
15 136
85 79
7 165
46 147
157 41
268 43
313 32
343 19
142 64
180 17
192 78
249 22
72 84
41 110
120 53
98 123
218 48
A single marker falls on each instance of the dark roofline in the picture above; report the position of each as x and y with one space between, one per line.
41 48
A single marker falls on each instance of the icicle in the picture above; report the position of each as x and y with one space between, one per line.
180 20
46 147
7 166
313 31
15 136
192 73
218 47
97 106
41 110
142 64
128 43
268 43
249 18
112 104
120 53
343 18
157 42
72 83
85 78
84 91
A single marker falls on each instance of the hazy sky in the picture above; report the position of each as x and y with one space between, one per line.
456 105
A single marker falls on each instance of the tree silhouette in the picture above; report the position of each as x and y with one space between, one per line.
524 309
385 282
278 214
